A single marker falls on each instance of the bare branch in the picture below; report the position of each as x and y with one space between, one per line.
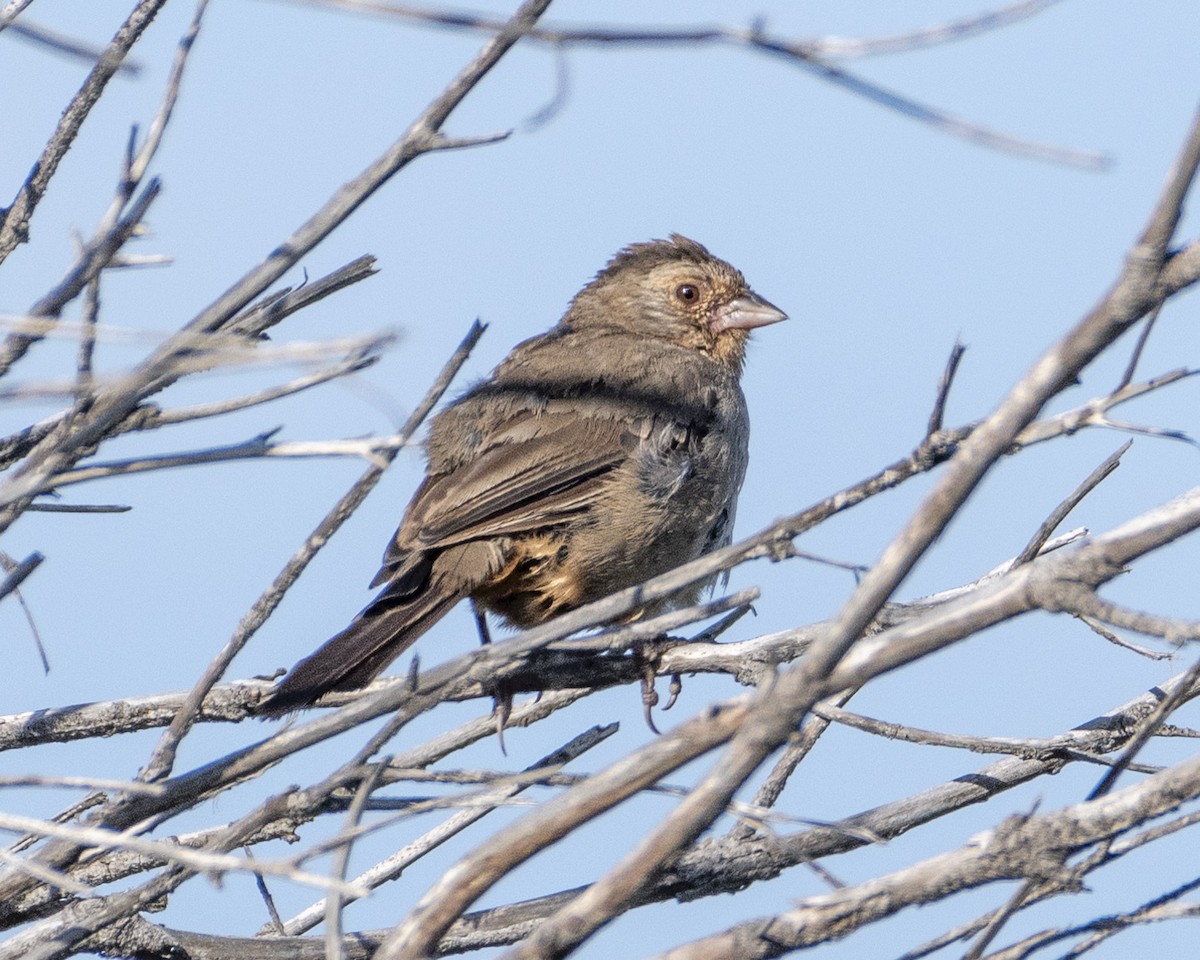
259 317
60 43
484 803
112 406
1019 847
1060 513
95 257
1147 729
444 902
935 35
14 220
164 754
944 384
19 573
808 55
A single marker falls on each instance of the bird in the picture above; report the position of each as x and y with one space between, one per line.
595 456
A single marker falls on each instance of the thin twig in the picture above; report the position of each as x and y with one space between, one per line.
201 860
1136 354
95 257
164 754
18 574
11 11
64 44
200 411
334 898
936 35
249 325
1069 503
809 55
87 342
378 450
944 383
1101 630
14 220
113 406
483 803
1148 728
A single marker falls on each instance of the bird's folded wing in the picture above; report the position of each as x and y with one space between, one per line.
525 480
535 473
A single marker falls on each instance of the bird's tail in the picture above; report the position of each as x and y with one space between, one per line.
352 658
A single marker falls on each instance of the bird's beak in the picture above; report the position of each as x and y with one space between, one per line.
745 313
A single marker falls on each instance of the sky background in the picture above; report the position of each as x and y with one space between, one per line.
883 239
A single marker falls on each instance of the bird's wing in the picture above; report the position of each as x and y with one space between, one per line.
537 471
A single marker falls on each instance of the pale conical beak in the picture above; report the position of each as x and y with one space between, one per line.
745 313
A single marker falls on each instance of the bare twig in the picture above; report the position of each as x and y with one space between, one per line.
947 379
18 574
809 55
935 35
374 449
112 406
441 905
1148 728
1136 354
168 852
1060 513
1017 848
271 310
95 257
14 220
1098 628
63 44
352 364
335 899
11 11
483 803
164 753
777 710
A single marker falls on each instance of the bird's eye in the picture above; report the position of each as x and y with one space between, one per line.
687 293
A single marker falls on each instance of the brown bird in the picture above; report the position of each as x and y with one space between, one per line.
597 455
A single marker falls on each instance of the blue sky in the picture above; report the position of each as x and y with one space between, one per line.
884 240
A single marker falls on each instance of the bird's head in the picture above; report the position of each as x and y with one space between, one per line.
675 290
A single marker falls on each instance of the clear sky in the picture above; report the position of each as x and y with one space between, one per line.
884 239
